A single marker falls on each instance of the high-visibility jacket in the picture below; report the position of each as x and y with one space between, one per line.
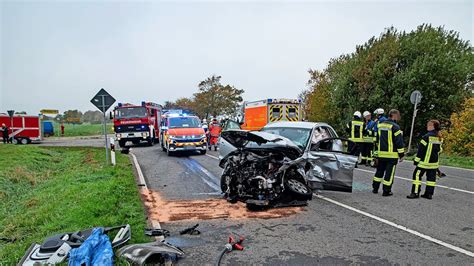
429 148
356 129
389 140
381 119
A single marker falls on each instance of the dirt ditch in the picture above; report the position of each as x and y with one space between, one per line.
164 210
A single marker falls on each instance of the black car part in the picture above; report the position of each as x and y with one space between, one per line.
159 252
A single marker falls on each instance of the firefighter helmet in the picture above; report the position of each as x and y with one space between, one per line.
358 114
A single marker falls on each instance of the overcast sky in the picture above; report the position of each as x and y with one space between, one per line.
59 54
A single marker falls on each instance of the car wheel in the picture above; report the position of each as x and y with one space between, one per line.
15 141
298 189
224 184
202 152
24 141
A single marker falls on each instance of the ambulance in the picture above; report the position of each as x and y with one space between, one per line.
257 114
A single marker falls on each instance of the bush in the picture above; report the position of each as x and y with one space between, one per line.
459 138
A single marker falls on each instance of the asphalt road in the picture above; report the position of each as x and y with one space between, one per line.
335 228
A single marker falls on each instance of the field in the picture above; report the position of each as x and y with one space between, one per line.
85 129
45 191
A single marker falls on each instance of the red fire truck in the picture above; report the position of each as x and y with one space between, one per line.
25 129
137 123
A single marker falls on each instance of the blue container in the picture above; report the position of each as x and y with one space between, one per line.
48 128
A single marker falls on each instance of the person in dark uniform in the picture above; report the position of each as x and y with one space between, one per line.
356 130
427 161
390 149
5 133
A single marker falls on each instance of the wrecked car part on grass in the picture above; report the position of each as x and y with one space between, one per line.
270 170
56 248
159 252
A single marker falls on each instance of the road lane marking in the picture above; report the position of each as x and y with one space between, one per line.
458 168
408 179
212 156
195 165
401 227
141 178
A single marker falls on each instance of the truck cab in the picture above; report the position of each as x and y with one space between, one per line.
137 123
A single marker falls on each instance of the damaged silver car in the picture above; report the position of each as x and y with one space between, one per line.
282 164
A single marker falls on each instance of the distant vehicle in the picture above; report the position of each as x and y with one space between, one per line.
257 114
25 129
137 123
48 128
181 132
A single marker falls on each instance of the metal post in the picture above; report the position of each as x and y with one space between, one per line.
412 125
105 132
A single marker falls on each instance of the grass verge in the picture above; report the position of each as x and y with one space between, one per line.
453 160
85 129
45 191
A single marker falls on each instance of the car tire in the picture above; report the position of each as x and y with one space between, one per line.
202 152
24 141
298 189
15 141
223 184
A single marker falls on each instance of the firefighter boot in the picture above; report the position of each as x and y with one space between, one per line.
427 196
413 196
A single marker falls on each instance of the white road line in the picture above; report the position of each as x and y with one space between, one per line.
212 156
408 179
458 168
401 227
141 178
154 223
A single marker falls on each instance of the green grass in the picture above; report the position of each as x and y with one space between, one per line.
453 160
45 191
85 129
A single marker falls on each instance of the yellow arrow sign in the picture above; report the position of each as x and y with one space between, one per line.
49 111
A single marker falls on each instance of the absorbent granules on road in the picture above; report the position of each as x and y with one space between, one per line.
164 210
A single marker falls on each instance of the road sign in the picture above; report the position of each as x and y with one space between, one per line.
73 120
103 100
49 111
11 113
415 97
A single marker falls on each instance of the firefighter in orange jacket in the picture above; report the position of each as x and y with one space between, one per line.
214 130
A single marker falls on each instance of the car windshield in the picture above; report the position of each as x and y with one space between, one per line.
188 122
131 112
299 136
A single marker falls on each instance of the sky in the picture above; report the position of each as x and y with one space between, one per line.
58 54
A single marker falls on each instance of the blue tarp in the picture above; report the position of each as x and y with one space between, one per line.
96 250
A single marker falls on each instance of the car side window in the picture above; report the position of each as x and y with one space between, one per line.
231 125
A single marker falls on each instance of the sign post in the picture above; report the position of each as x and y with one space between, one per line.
103 100
415 99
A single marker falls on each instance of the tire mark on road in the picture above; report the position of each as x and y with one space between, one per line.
203 173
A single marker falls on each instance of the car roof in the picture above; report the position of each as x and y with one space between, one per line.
308 125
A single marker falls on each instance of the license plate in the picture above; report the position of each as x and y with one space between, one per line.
189 147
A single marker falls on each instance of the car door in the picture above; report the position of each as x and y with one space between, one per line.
329 166
224 146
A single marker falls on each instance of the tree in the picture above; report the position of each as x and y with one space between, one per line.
384 71
459 139
214 99
72 116
185 103
93 117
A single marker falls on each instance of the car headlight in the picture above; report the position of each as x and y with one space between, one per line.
172 137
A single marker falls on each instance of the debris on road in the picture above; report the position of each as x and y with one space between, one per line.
159 252
157 232
191 231
164 210
232 244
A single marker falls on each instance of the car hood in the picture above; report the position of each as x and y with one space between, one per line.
259 140
185 131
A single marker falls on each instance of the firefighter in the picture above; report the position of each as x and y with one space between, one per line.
215 131
427 161
5 133
379 118
390 149
355 128
205 126
367 145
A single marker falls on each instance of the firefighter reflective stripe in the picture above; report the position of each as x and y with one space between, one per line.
276 112
417 181
292 113
397 133
423 142
387 154
402 150
417 159
377 179
357 128
431 183
390 182
431 157
385 141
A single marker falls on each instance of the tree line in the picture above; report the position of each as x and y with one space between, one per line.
383 72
